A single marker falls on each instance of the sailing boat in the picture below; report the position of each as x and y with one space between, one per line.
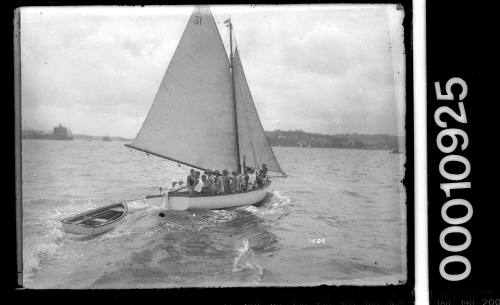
203 116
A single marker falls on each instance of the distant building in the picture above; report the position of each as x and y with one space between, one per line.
60 133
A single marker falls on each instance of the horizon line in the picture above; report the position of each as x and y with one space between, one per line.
296 130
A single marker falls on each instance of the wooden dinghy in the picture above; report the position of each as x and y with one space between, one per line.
97 221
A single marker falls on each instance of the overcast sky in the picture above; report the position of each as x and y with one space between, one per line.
327 69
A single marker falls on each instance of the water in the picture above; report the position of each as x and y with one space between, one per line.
353 199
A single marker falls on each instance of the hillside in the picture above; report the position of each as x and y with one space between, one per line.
300 138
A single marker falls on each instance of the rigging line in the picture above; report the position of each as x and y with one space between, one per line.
246 116
255 109
248 126
143 167
152 178
245 104
159 167
262 128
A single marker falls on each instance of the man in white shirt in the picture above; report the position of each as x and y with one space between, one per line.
251 179
199 185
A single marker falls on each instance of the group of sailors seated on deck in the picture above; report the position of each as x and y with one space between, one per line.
213 182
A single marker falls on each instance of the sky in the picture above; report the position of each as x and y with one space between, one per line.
319 68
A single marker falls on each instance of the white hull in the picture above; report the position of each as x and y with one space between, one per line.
212 202
219 202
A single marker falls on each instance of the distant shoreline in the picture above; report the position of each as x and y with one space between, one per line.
299 138
77 138
99 138
358 148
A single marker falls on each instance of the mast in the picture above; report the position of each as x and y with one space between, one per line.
231 57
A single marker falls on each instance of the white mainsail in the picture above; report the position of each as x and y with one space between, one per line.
254 147
191 120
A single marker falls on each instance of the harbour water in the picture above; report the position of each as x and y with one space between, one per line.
352 199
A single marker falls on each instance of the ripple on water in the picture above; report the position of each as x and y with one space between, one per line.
252 245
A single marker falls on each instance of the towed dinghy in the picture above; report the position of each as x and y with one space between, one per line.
97 221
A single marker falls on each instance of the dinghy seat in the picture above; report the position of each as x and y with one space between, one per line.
102 218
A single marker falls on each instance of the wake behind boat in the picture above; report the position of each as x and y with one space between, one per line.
96 221
203 116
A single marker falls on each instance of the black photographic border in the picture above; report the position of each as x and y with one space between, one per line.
341 295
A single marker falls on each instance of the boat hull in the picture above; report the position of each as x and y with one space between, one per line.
206 201
97 221
218 201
